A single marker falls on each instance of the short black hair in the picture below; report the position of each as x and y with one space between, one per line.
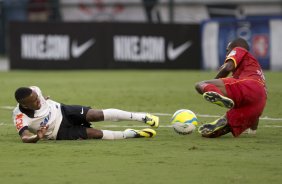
239 42
22 93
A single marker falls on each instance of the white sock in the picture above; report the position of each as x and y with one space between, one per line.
111 135
129 133
119 115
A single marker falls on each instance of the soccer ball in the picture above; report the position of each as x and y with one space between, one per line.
184 121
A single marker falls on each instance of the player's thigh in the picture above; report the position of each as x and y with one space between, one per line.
245 92
74 114
218 83
72 133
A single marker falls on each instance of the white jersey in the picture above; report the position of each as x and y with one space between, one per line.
49 114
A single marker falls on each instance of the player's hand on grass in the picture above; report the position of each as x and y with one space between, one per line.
42 131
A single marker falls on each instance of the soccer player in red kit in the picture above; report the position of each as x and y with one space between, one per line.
244 93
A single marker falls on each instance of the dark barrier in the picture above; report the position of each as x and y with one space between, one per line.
263 35
104 46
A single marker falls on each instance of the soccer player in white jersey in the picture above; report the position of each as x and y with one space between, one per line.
37 117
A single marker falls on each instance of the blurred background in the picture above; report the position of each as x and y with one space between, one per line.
136 34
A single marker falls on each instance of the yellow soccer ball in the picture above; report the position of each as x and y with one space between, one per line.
184 121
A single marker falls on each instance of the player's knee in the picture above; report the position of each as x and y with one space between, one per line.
94 133
94 115
199 88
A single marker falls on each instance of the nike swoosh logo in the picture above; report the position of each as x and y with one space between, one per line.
173 53
78 50
81 111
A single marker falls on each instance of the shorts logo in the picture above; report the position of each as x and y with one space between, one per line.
81 111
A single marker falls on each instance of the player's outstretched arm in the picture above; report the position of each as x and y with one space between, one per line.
28 137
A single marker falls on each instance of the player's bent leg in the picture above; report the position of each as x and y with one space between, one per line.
216 85
93 133
144 133
200 87
209 128
218 99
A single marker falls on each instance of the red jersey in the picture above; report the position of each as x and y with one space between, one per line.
246 66
247 79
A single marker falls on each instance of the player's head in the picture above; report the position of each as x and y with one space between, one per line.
27 98
238 42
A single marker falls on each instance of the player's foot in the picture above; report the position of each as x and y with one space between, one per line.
151 120
250 131
209 128
147 133
218 99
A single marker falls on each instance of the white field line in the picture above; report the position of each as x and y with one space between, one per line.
7 107
168 114
140 126
216 116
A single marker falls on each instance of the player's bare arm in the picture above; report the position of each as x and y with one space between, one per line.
28 137
225 69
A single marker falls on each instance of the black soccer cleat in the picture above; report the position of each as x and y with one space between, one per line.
218 99
209 128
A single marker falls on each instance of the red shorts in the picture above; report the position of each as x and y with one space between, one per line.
249 97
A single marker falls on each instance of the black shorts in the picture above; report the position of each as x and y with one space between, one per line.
74 122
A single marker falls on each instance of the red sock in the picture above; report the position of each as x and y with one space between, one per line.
211 87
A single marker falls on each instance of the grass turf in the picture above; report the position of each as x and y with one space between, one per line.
167 158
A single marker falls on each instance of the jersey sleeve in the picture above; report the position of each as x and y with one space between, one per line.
20 121
236 55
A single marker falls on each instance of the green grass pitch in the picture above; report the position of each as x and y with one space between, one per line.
165 159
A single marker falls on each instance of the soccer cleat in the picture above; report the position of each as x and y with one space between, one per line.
151 120
209 128
147 133
218 99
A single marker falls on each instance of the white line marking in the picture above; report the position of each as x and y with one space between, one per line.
216 116
143 126
168 114
272 126
7 107
138 126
